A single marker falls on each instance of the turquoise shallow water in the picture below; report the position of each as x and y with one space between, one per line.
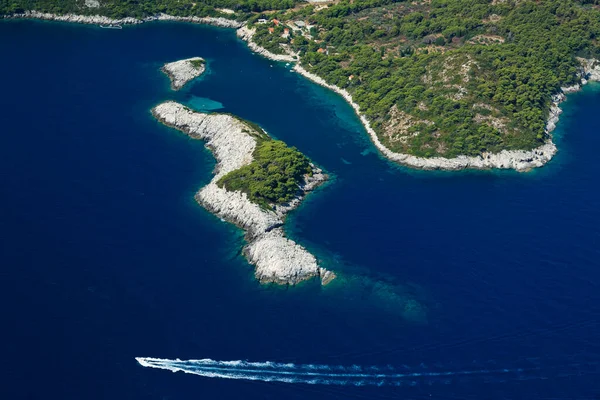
106 256
204 104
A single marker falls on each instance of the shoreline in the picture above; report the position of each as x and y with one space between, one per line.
518 160
277 259
181 72
102 20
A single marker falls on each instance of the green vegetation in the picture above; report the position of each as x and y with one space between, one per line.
270 41
467 76
434 77
197 63
145 8
274 175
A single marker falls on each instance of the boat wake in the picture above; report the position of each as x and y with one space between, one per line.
356 375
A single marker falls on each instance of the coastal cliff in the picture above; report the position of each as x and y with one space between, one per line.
277 259
182 71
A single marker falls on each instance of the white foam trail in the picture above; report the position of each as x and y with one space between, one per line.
313 374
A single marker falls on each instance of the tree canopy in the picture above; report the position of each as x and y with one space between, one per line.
468 75
273 177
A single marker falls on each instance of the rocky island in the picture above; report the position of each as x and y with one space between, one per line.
257 181
182 71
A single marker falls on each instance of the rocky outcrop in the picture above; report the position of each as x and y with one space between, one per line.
218 21
555 111
520 160
591 69
280 260
79 19
277 259
182 71
92 3
588 71
246 35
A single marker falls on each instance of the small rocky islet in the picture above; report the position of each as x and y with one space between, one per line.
183 71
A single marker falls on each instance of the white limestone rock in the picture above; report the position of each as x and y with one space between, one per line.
236 208
92 3
218 21
280 260
571 89
591 69
277 259
182 71
78 19
553 116
100 20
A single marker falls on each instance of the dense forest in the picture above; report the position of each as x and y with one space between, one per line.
273 177
448 77
434 77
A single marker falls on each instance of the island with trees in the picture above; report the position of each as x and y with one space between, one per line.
257 181
437 83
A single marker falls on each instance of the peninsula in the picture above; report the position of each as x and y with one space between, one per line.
438 84
257 181
182 71
448 84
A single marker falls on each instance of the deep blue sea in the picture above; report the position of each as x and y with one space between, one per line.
105 256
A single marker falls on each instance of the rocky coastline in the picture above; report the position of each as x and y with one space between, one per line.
214 21
519 160
182 71
74 18
276 258
246 35
102 20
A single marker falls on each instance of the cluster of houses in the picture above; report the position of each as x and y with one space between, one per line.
296 25
301 26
